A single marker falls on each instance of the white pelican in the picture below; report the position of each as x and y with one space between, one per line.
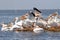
52 18
27 19
18 24
38 17
37 29
23 19
5 27
36 11
36 14
14 24
43 22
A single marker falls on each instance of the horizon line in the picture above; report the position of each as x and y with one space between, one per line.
29 9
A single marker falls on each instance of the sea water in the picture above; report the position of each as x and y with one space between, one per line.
8 15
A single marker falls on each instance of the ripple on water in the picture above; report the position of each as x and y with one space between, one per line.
29 36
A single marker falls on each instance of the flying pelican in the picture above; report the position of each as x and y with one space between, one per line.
37 13
38 16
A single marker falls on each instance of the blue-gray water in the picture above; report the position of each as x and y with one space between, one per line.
8 15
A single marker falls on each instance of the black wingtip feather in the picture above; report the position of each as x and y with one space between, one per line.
37 10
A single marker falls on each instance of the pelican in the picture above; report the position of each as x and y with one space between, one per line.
37 29
27 18
23 19
18 24
26 21
52 18
43 22
39 18
37 14
6 27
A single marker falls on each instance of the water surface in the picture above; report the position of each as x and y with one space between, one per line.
8 15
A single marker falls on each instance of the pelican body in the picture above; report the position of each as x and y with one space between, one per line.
38 29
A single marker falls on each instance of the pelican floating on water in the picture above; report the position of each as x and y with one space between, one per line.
37 29
6 27
53 20
18 24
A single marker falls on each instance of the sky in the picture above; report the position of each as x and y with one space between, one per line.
29 4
